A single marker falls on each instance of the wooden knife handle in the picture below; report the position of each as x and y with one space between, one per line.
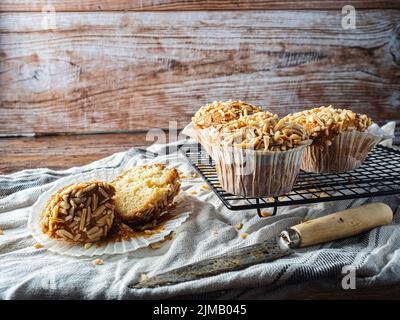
343 224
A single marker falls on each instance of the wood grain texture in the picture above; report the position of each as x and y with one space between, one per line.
144 5
128 71
62 152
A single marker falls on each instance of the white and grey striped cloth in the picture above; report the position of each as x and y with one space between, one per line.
27 272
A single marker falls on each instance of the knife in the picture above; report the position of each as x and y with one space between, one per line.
335 226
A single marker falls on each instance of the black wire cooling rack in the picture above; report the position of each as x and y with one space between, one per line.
379 175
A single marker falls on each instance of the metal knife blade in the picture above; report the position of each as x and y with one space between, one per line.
235 260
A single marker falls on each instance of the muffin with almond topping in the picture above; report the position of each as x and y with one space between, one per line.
341 141
210 118
80 212
259 155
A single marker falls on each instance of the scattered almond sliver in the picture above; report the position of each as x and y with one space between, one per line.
192 192
88 245
266 214
244 235
38 245
98 262
143 277
155 246
239 226
205 187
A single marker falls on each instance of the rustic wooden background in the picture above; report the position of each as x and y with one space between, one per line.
120 67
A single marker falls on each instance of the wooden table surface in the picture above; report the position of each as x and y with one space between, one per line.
61 152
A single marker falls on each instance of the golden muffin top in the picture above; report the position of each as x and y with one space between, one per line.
262 131
323 124
221 112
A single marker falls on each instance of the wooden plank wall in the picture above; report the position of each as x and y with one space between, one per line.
123 65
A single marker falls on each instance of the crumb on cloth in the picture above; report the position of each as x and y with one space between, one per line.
238 226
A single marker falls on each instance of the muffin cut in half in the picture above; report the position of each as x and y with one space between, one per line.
144 192
80 212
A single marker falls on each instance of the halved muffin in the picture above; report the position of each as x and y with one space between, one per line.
144 192
80 212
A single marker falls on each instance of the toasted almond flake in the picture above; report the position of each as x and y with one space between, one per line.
195 175
109 206
192 192
244 235
64 234
102 220
99 211
88 245
88 188
103 192
104 200
88 202
89 215
80 201
109 222
55 211
65 204
74 224
83 219
155 246
98 262
93 230
205 187
96 235
239 226
38 245
72 211
77 237
94 202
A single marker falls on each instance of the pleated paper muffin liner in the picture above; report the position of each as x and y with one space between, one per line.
347 152
202 136
178 216
255 173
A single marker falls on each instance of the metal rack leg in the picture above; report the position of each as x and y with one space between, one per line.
259 210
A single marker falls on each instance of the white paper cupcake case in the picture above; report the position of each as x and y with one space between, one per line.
255 173
347 152
181 213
